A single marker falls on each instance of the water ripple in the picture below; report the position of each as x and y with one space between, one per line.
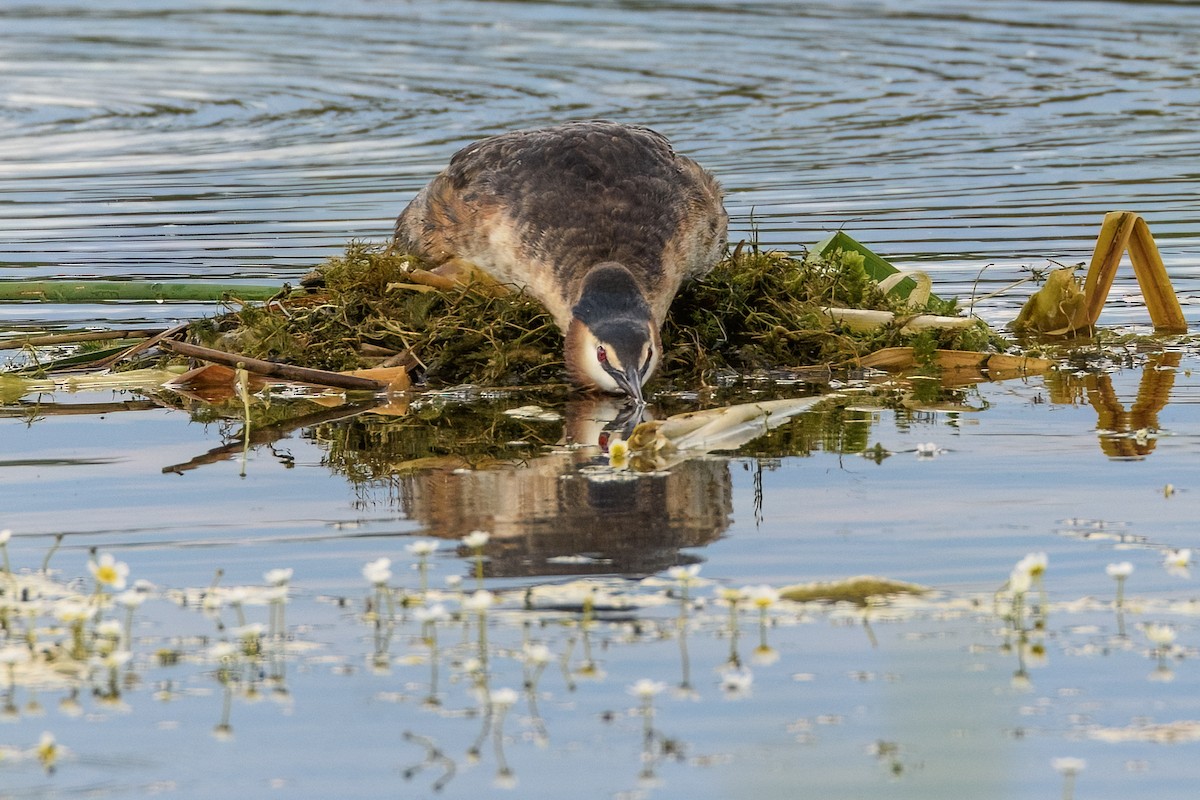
155 138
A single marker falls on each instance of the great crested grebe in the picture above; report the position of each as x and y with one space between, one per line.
600 221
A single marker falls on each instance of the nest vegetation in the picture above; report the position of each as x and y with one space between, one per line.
755 311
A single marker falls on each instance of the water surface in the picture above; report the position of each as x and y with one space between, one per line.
227 141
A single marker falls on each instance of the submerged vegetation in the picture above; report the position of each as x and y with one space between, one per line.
755 311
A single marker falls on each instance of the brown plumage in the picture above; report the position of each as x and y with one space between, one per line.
599 221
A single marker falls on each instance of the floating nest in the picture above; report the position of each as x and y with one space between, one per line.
756 311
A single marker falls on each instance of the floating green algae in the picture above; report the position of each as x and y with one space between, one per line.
859 590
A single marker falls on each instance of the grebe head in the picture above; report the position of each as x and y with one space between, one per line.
617 356
612 343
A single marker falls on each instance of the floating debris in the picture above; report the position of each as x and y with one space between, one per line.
697 432
533 414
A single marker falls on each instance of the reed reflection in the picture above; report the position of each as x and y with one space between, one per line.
1123 432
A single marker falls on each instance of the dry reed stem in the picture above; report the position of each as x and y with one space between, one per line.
319 377
1121 231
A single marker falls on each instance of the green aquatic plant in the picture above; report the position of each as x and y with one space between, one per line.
860 590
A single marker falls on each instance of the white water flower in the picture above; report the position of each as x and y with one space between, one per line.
538 654
222 651
423 547
480 601
13 655
761 596
5 535
1068 765
727 594
928 449
1034 564
70 610
434 613
646 688
1019 581
252 630
618 454
1178 561
378 572
278 577
274 594
112 660
1160 635
47 751
236 595
453 581
736 683
764 656
109 572
503 698
109 628
130 598
1120 570
476 539
684 574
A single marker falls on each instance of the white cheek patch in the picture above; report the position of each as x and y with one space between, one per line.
599 376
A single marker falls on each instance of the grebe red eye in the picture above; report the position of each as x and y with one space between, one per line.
601 356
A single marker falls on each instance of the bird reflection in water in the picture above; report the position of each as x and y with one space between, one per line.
566 512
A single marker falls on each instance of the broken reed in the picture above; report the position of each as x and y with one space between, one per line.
754 311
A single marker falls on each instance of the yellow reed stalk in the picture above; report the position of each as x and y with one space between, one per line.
1110 246
1061 308
1121 231
1157 291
